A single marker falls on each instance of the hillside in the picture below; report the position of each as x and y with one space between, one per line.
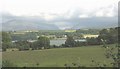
59 57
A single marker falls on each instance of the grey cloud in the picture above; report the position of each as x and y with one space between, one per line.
60 21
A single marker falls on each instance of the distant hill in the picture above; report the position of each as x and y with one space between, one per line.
10 22
20 25
25 23
95 23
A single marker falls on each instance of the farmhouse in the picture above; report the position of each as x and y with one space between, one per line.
90 36
70 30
81 40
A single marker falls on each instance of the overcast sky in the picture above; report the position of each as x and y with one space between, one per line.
37 7
56 9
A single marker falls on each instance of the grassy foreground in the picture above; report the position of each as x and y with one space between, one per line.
59 57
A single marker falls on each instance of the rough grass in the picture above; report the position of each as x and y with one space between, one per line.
59 57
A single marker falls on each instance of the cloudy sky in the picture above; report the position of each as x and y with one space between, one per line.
61 12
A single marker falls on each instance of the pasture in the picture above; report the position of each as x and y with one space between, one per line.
58 57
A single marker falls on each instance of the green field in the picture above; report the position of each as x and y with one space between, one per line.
59 57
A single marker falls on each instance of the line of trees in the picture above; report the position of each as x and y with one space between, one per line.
70 42
109 36
42 42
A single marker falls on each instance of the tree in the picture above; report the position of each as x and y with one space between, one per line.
109 35
42 42
70 42
111 54
6 41
92 41
6 37
23 45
